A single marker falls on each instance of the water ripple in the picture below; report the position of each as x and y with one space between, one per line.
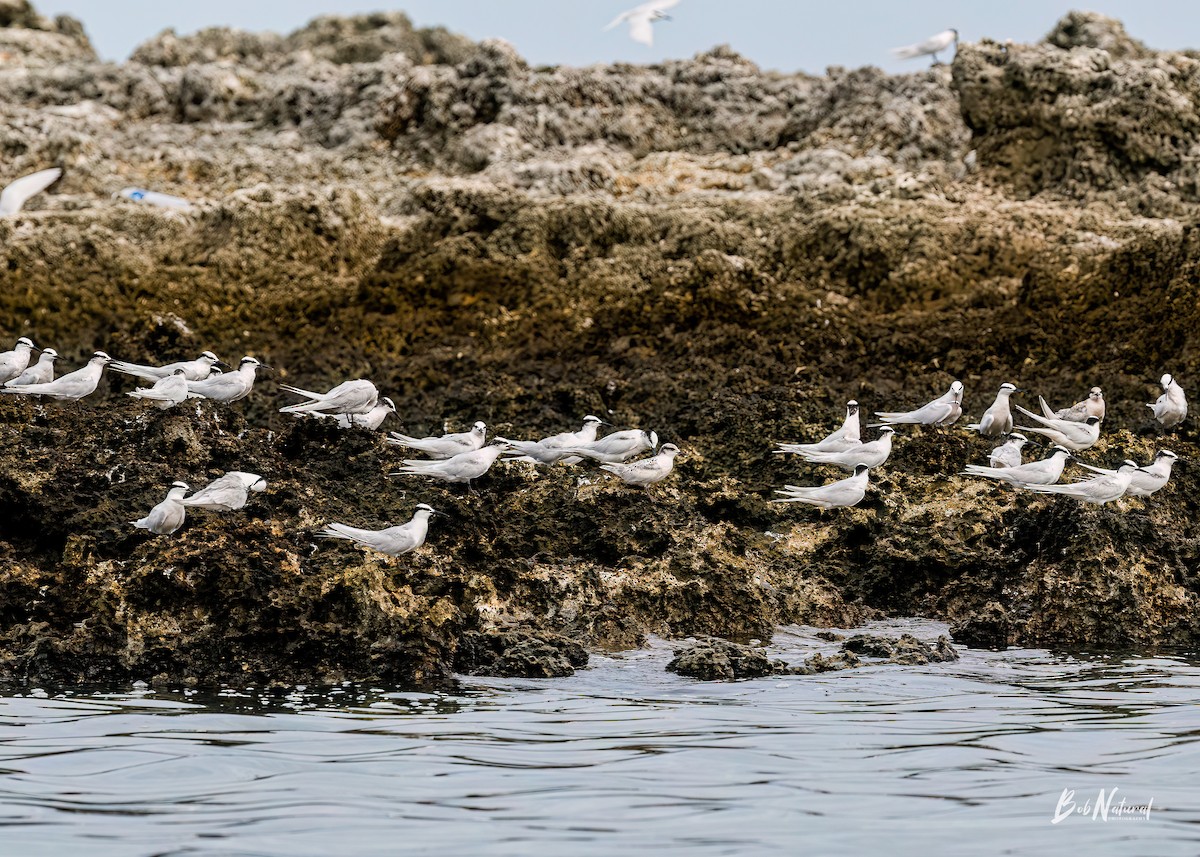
623 756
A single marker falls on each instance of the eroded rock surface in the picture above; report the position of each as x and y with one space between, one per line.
718 252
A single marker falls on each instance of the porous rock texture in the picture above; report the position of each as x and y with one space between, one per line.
720 253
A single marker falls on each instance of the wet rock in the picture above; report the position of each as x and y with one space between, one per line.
988 628
870 646
522 653
819 663
829 636
721 660
906 649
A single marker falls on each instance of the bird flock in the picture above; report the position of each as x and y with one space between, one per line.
1067 431
457 458
460 458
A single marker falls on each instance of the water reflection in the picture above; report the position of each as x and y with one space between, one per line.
621 756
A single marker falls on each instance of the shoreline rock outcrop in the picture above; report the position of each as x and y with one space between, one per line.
720 253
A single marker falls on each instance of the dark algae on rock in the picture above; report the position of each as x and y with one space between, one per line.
717 252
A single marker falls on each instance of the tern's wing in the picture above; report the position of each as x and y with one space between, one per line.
13 197
617 21
641 30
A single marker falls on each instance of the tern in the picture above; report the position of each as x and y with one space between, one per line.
349 397
13 363
871 454
842 439
1074 436
1171 407
14 197
1043 472
72 386
458 468
549 450
1101 490
648 471
227 387
371 420
227 493
392 541
932 46
193 370
997 420
1008 454
616 448
641 20
942 411
169 515
1092 406
41 372
166 392
446 446
845 492
1146 480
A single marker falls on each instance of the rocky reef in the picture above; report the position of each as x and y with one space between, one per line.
720 253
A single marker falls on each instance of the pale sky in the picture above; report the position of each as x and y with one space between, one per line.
780 34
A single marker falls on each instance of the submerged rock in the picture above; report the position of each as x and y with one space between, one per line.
717 660
906 649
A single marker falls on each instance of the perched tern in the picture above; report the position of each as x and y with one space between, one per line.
549 450
193 370
872 454
371 420
997 420
844 438
932 46
392 541
169 515
1092 406
1101 490
166 392
845 492
1008 454
1074 436
228 387
1171 407
942 411
349 397
446 446
646 472
13 363
1146 480
1043 472
41 372
14 197
72 386
227 493
458 468
616 448
641 20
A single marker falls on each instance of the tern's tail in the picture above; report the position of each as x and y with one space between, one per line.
149 373
308 394
987 472
907 52
332 531
1046 412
